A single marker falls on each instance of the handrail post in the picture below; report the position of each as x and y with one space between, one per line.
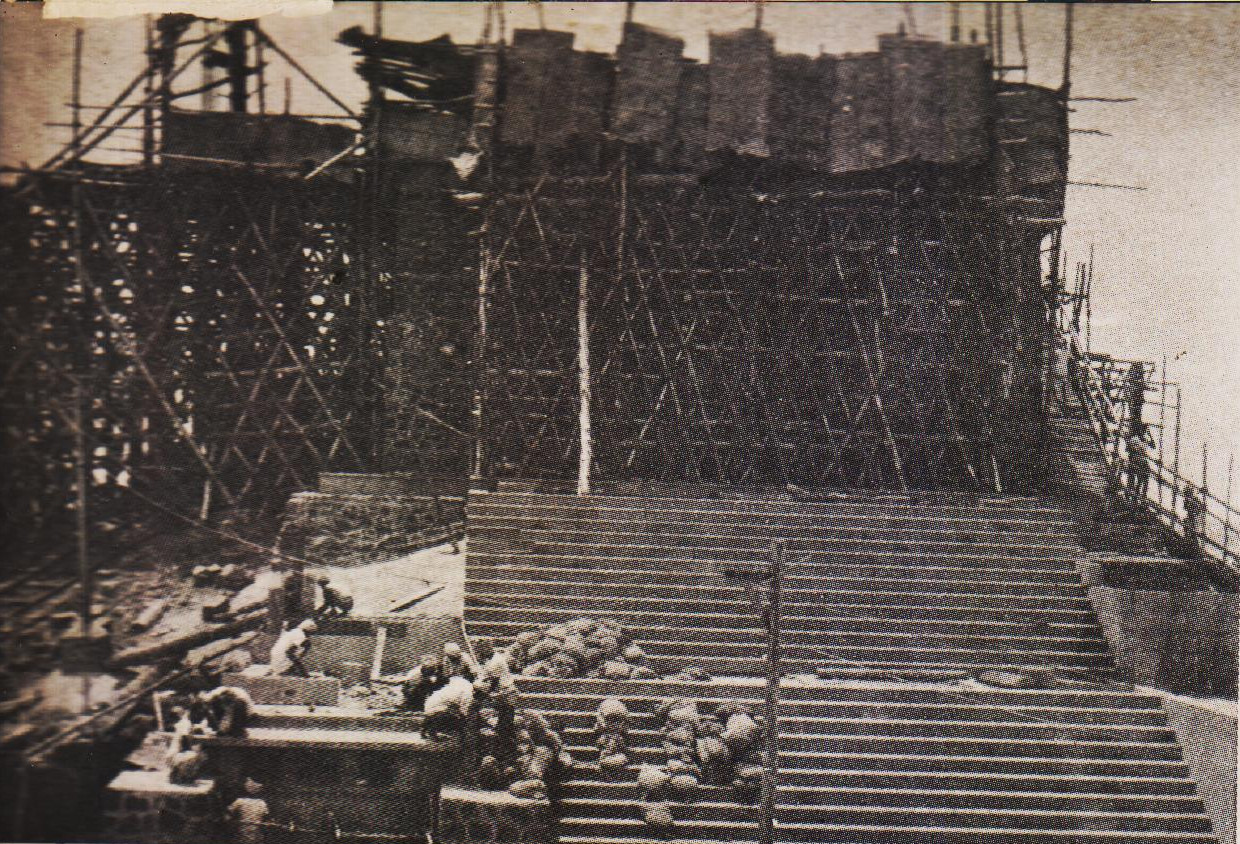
770 767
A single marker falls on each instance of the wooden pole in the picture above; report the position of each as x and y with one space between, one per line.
478 470
260 66
955 22
999 61
81 391
586 451
1175 489
148 95
1227 508
1162 424
288 94
770 766
1066 85
757 14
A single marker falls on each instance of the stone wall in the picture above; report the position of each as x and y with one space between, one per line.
142 807
1207 732
468 816
1182 642
343 529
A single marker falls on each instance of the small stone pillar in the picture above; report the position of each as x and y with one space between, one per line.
468 816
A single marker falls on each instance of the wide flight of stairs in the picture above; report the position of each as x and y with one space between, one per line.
895 599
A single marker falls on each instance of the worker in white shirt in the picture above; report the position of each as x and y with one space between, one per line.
291 648
447 708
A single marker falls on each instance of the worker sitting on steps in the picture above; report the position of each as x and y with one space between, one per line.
336 602
290 649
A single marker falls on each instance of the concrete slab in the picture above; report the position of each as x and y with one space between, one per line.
330 738
314 691
156 782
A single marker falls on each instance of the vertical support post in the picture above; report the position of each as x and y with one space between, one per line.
260 67
81 390
288 95
586 451
1089 303
235 38
1065 86
999 59
1162 424
1205 469
955 22
989 24
478 470
1175 490
148 95
770 767
1227 510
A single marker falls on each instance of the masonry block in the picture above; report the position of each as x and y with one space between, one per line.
303 691
468 816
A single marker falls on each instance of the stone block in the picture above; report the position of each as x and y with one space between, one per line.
352 673
304 691
469 816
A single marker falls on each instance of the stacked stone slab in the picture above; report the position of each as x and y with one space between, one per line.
895 601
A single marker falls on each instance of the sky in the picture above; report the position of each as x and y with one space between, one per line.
1167 277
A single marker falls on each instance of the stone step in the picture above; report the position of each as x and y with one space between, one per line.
500 609
1022 819
798 604
634 831
821 507
518 568
788 526
797 745
743 539
571 710
511 520
840 625
647 693
276 737
812 644
876 726
831 796
936 761
330 718
719 588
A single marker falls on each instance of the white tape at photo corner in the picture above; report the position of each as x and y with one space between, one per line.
220 9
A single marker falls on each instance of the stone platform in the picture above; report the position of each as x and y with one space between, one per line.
143 807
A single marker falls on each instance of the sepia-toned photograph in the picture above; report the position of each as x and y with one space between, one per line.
619 423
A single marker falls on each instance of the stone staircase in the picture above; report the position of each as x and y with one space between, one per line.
890 602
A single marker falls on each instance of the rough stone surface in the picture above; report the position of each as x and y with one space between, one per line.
1178 641
345 530
147 809
316 691
489 817
1207 732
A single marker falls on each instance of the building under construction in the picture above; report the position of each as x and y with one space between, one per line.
768 360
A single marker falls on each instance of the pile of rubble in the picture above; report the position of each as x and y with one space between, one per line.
527 757
587 647
719 749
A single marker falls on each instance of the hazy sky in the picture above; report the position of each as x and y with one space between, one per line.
1168 257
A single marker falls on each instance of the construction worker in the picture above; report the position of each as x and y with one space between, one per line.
336 602
422 681
247 815
1139 464
1194 510
457 663
447 708
228 710
290 649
